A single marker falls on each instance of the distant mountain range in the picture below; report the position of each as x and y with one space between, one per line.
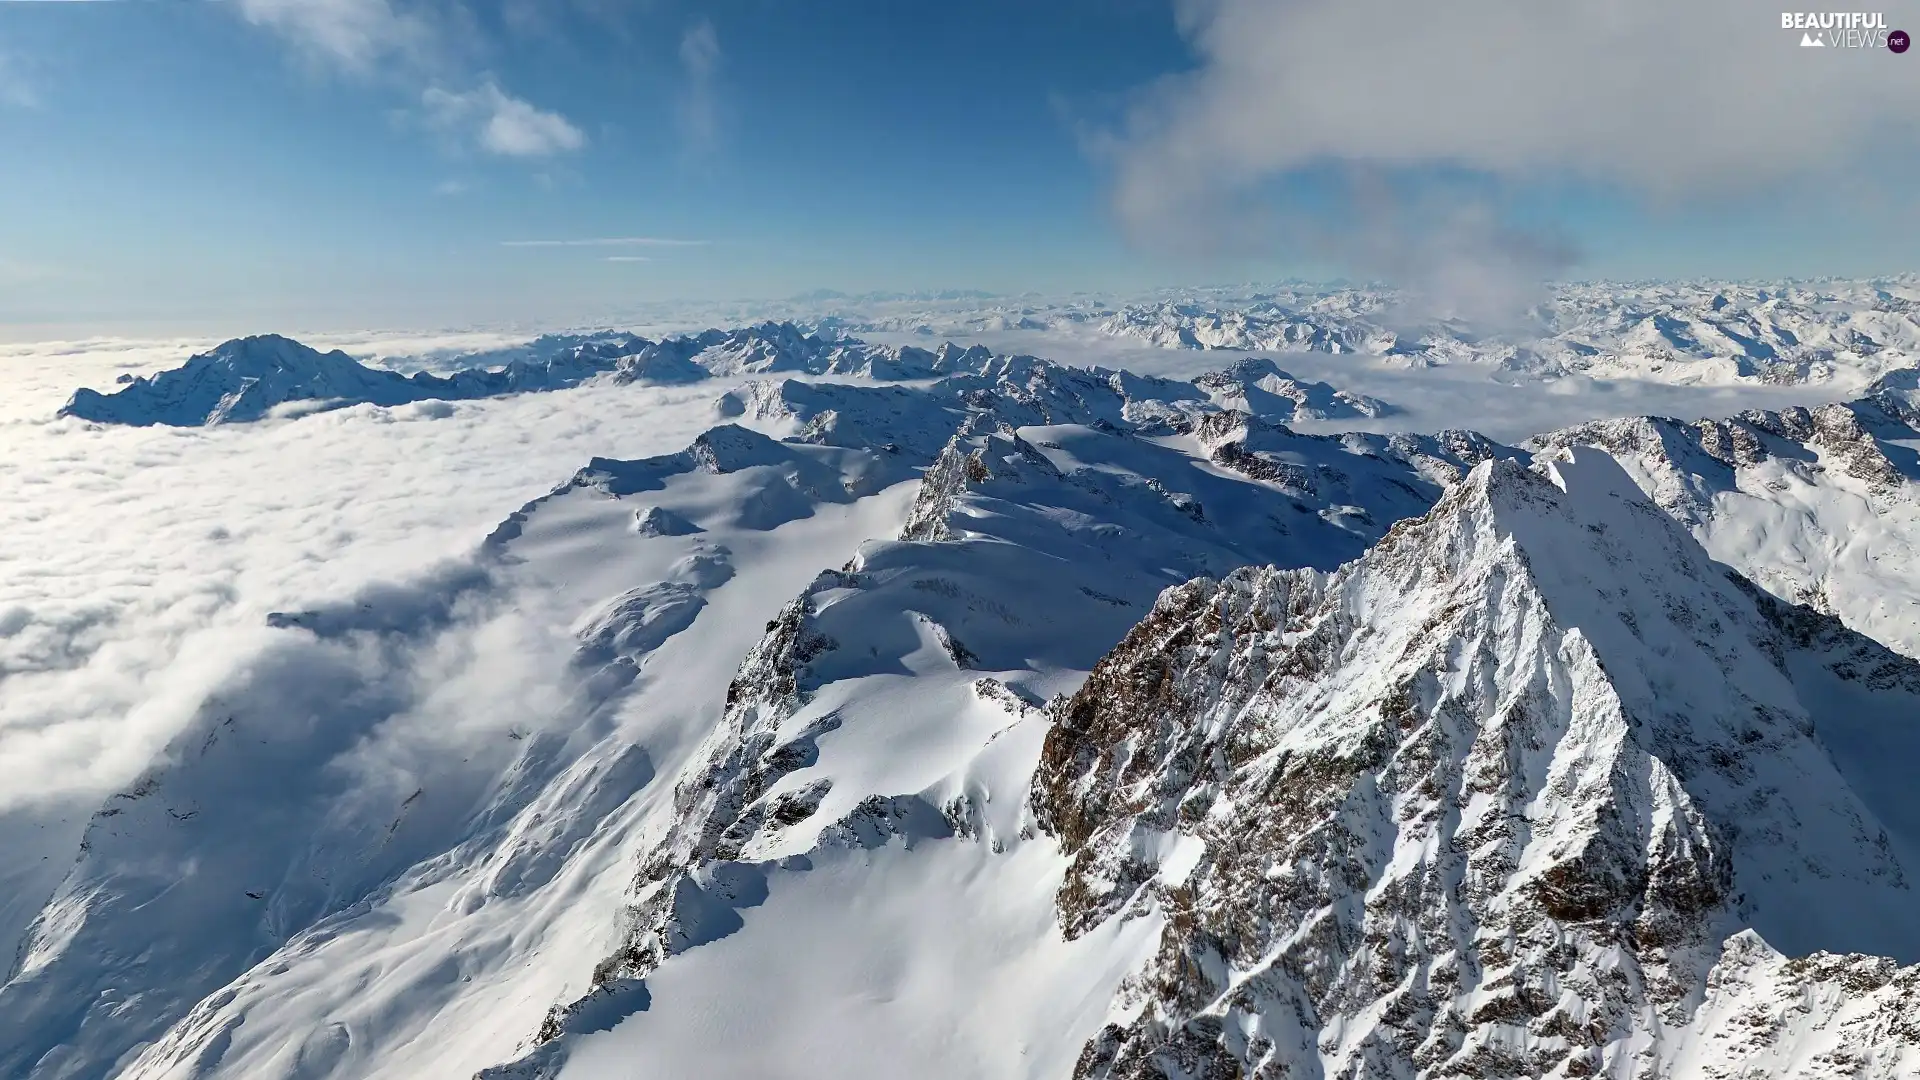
1683 333
249 379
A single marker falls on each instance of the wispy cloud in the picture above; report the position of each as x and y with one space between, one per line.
16 272
16 90
608 241
423 48
699 109
629 258
505 124
353 34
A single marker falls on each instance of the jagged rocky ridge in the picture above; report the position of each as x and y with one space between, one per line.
1005 510
1534 788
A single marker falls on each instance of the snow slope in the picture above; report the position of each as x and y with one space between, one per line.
364 804
890 709
1821 506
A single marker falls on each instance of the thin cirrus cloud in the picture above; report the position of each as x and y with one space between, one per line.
374 39
699 108
607 241
16 90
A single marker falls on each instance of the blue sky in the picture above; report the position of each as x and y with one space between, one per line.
334 161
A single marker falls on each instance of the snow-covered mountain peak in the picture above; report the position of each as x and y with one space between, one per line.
1259 386
240 379
265 352
1820 506
1492 800
1899 392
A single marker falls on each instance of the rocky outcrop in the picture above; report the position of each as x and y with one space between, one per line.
1509 796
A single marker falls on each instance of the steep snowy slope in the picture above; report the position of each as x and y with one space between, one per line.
1821 506
1532 789
780 754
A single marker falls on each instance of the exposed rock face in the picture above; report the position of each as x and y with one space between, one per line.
718 806
1845 432
1518 793
963 465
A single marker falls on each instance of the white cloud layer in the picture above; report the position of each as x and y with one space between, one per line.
1665 104
141 562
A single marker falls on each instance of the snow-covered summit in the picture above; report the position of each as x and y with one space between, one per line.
1018 517
250 378
240 380
1261 388
1532 788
